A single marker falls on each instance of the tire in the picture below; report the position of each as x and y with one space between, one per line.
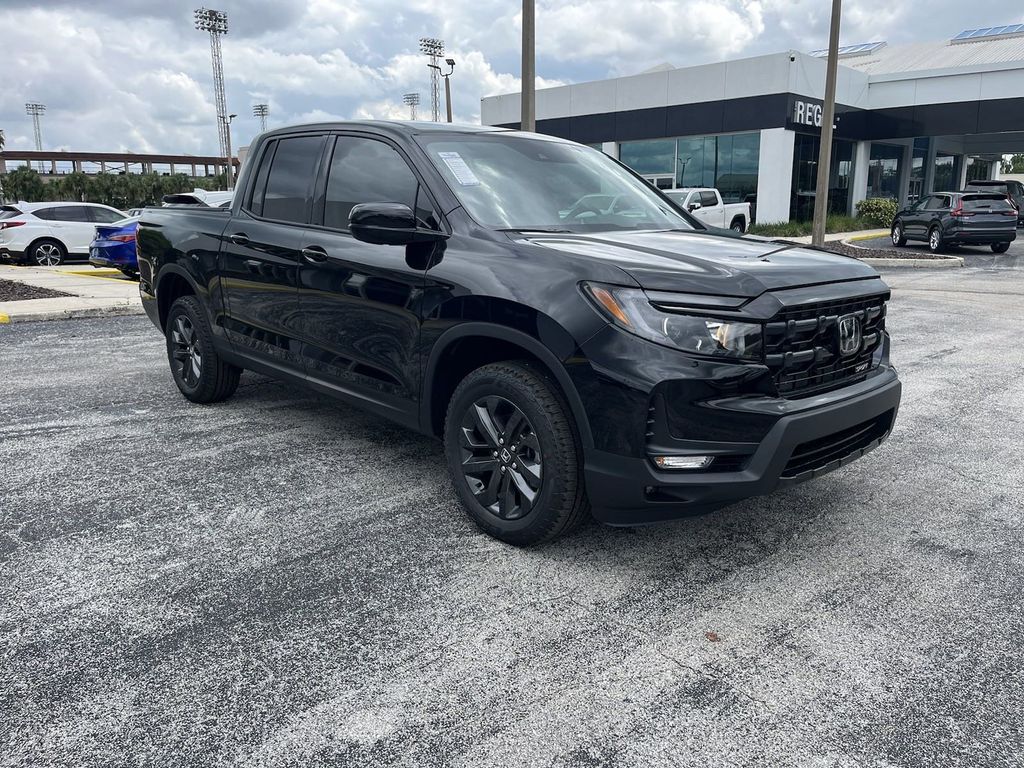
1000 247
131 274
511 426
200 373
898 235
737 226
935 244
47 253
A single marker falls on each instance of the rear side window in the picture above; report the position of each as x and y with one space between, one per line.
46 214
289 180
370 171
7 212
708 199
75 213
985 203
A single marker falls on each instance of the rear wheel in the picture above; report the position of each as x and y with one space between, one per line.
514 454
899 237
1000 247
200 373
48 253
737 226
935 240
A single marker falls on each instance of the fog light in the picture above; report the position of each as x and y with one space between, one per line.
683 462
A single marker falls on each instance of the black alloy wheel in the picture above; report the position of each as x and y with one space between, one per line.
1000 247
186 356
502 462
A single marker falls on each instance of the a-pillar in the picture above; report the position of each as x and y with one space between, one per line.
775 175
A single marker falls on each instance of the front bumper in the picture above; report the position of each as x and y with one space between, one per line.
800 446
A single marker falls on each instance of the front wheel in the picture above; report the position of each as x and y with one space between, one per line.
514 454
1000 247
200 373
899 237
935 240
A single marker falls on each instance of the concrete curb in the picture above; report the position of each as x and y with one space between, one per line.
31 314
943 262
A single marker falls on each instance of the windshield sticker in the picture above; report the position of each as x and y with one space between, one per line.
463 173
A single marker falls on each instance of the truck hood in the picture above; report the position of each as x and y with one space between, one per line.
695 262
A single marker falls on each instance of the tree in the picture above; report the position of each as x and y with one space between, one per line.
1013 164
22 184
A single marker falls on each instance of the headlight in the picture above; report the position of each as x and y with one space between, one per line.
631 310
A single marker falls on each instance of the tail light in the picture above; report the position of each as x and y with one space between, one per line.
959 212
9 224
123 238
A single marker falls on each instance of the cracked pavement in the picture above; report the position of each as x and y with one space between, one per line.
281 580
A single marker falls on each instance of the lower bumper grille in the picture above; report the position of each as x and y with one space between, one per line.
819 453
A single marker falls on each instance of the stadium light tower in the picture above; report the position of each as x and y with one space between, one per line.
261 111
36 111
216 23
413 101
434 49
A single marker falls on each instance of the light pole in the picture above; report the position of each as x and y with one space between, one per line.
229 170
261 111
828 119
411 100
216 23
447 85
433 49
528 121
36 111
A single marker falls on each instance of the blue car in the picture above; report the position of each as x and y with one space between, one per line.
114 246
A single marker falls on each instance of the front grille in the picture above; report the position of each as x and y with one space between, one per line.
802 345
816 454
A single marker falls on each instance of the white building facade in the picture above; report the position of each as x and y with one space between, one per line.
911 119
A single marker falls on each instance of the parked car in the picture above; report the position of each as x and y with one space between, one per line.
47 234
1013 190
706 204
200 197
114 247
958 218
643 366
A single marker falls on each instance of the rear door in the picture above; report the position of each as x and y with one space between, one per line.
359 302
259 257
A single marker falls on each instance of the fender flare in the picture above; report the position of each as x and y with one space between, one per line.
527 342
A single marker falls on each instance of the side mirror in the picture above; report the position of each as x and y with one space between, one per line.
388 224
694 206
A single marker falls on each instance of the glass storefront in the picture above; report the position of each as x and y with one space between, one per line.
947 173
728 163
978 169
884 170
805 176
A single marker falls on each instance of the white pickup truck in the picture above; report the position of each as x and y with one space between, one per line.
706 204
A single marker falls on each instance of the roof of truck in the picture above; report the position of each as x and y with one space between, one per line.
395 126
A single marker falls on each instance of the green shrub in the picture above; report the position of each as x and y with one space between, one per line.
878 211
834 224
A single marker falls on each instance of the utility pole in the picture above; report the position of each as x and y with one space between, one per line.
828 119
261 111
36 112
216 23
411 100
433 49
528 121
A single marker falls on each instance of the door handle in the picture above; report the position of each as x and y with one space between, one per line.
239 238
314 254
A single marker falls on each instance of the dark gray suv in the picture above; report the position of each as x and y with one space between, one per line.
1013 190
958 218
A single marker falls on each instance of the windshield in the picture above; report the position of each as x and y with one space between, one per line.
527 183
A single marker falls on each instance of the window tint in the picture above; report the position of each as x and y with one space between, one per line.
8 211
75 213
985 202
46 214
370 171
290 181
103 216
708 199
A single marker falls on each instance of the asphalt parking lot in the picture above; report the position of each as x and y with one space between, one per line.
281 580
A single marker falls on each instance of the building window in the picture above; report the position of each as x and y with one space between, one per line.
978 169
649 157
805 177
695 161
947 172
884 170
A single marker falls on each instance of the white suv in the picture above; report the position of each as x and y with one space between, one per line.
48 233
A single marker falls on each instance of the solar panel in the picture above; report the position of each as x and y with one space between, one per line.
852 50
970 35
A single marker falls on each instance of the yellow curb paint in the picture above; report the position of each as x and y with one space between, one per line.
858 238
4 319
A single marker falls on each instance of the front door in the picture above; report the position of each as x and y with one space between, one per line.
259 256
359 302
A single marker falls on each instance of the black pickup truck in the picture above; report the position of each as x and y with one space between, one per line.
575 358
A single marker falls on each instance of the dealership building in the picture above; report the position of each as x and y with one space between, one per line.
910 119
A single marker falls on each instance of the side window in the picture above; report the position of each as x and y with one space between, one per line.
289 186
370 171
103 216
75 213
46 214
708 199
943 201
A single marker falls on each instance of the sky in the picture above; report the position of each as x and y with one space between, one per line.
135 75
